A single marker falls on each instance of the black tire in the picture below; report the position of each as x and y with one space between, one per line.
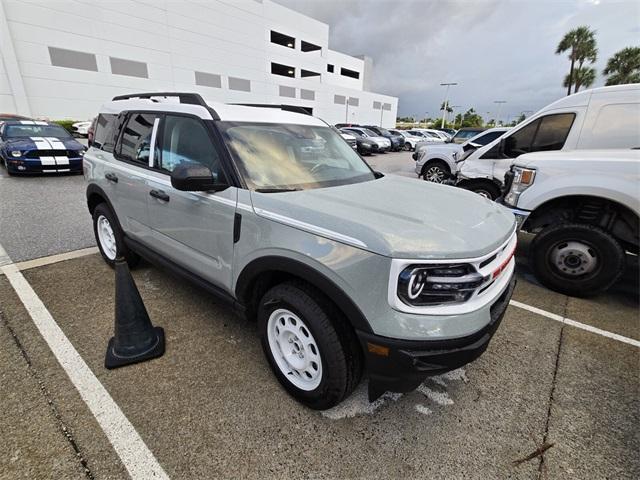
602 246
484 188
103 210
340 353
435 168
407 147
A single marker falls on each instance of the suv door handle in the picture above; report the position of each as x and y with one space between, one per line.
112 177
160 195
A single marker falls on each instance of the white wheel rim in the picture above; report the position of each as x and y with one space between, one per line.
106 237
294 349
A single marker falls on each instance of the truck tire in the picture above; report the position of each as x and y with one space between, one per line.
435 171
484 188
576 259
110 237
310 347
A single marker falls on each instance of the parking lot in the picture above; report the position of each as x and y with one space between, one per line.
561 373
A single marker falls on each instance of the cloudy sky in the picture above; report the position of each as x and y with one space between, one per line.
494 49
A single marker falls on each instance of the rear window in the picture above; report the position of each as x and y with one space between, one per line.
103 134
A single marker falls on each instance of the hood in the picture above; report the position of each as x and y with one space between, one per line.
48 143
396 217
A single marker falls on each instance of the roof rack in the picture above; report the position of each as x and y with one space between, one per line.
188 98
288 108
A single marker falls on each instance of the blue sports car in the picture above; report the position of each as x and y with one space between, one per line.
31 146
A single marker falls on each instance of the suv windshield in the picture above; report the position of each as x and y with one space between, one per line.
293 157
16 131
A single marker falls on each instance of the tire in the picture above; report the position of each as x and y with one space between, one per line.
435 171
297 308
103 217
484 188
407 147
576 259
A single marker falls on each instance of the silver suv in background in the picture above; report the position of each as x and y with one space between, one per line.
273 213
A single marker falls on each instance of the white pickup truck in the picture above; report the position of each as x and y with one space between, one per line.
584 207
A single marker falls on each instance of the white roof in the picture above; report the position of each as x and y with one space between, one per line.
226 112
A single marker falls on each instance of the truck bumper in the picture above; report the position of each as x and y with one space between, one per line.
401 365
521 215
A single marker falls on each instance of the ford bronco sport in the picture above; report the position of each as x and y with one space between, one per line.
274 213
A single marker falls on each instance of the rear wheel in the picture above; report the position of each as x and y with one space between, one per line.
435 171
576 259
310 348
110 238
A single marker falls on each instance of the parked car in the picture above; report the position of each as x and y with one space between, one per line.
410 141
397 141
305 241
379 144
449 131
584 208
81 128
466 133
601 118
31 146
364 145
438 162
426 136
435 134
4 117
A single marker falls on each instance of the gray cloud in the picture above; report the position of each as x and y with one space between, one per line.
494 49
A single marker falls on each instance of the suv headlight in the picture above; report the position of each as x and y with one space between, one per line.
522 179
421 285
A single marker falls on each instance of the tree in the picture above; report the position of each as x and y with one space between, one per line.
581 45
471 119
521 118
623 67
582 77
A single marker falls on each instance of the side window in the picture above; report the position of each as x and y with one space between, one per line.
487 138
186 140
103 135
520 142
135 141
553 131
617 126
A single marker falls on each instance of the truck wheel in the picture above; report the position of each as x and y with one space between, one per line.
310 348
110 238
576 259
435 171
484 188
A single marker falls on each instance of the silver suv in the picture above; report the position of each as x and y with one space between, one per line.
274 213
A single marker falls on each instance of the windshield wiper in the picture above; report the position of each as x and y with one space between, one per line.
277 190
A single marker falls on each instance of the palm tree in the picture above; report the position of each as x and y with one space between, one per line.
582 77
581 44
624 67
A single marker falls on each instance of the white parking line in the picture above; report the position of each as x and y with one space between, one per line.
51 259
573 323
133 452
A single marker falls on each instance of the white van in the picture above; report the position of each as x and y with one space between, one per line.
601 118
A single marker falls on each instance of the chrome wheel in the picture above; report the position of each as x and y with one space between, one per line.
294 349
106 238
435 174
573 258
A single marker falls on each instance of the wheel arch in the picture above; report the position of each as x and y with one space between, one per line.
610 215
437 158
261 274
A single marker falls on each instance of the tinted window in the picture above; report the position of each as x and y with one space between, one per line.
487 138
186 140
617 126
135 142
520 142
103 134
553 132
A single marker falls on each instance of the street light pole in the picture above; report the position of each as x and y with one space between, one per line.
446 101
500 103
426 116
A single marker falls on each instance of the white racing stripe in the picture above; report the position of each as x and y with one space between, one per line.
573 323
133 452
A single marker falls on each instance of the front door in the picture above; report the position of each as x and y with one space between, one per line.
193 229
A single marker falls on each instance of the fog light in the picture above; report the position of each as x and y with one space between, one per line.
20 167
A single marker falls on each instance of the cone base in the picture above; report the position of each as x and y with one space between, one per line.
112 360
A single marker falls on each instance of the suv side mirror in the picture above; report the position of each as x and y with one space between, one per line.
191 177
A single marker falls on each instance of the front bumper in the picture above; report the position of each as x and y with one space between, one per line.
36 166
521 216
401 365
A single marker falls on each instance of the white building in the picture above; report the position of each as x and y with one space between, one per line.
63 58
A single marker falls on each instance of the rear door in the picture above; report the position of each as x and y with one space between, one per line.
193 229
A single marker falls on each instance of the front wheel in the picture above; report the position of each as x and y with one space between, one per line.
310 348
110 238
484 188
436 172
576 259
407 147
